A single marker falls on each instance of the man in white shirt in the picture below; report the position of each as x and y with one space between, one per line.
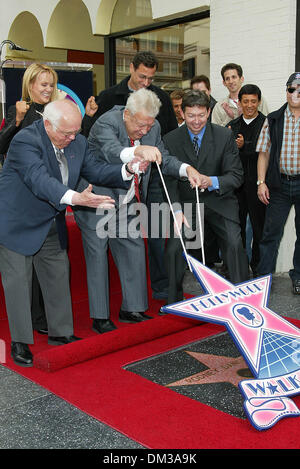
119 135
228 108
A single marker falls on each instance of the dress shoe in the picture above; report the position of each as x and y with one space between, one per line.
132 317
21 354
296 287
62 340
103 325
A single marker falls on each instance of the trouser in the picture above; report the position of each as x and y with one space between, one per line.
229 238
52 267
129 256
250 204
277 213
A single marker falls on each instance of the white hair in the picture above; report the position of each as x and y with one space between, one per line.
55 111
144 101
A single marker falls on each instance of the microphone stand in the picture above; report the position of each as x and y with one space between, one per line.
13 46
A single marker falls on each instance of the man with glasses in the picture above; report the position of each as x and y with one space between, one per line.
38 181
142 69
278 172
120 135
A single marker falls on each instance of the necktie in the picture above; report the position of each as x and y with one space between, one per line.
196 145
63 166
135 178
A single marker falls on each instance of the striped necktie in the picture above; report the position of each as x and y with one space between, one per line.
135 178
63 165
196 145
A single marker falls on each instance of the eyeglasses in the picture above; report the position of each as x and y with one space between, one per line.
291 90
67 134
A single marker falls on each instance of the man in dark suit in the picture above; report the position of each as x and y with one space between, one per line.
142 72
120 135
211 149
40 173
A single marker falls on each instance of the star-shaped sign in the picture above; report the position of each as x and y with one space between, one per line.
269 344
220 369
241 308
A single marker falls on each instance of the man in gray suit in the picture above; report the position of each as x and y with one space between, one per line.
118 136
214 153
38 181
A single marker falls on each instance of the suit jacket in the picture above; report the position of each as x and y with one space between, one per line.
31 186
108 137
218 156
117 96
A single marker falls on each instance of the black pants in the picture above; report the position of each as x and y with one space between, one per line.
249 204
229 238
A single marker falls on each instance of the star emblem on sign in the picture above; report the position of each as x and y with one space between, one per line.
268 342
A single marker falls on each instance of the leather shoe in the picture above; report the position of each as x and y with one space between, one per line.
62 340
132 317
103 325
296 287
21 354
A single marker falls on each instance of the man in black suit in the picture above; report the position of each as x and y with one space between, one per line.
142 72
211 149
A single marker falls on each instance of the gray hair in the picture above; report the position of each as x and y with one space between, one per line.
54 111
144 101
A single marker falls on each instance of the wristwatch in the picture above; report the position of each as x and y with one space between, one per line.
260 182
129 170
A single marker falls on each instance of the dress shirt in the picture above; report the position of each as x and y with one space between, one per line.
215 181
289 155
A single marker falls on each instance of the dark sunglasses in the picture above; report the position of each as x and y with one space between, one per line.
291 90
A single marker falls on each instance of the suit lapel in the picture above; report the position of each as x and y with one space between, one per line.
52 161
206 147
187 145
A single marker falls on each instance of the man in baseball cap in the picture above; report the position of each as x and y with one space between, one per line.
278 172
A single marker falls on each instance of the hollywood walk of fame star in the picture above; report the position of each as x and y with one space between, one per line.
242 308
220 369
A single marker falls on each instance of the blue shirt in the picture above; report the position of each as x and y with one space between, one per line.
214 179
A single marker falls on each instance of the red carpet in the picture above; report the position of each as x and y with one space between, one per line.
89 374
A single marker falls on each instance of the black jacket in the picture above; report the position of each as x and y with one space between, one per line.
248 153
118 95
276 125
218 156
9 130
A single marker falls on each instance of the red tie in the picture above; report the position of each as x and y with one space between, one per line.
135 178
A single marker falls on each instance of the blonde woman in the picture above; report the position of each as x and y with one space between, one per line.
39 87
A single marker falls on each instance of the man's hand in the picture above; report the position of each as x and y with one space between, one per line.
148 153
138 164
91 107
263 193
21 109
198 180
86 198
240 141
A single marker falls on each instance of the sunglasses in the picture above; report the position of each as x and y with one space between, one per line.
291 90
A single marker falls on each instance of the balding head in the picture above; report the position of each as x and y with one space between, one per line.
62 121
